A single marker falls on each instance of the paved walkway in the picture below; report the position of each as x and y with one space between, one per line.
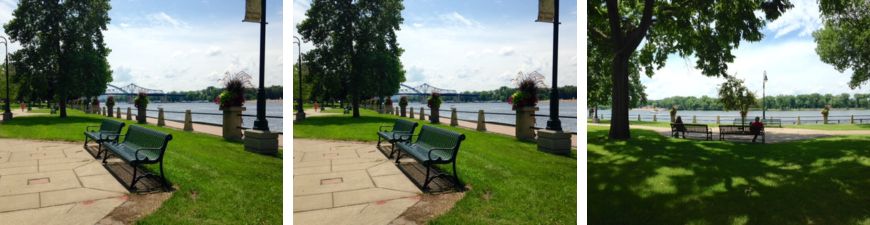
347 183
54 183
773 134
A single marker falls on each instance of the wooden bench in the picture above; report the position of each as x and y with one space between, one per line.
400 127
739 130
108 130
433 146
141 146
684 128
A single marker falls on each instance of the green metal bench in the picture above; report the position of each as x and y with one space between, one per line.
433 146
400 127
107 130
141 146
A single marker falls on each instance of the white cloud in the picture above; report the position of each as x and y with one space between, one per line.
213 51
506 51
455 18
803 18
161 18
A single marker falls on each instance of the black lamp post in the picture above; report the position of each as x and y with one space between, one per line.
261 123
300 111
554 123
7 114
763 96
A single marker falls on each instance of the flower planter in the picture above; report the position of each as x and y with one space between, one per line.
140 115
231 123
433 116
402 111
525 123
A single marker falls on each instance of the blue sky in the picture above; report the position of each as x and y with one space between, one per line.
787 53
478 45
185 45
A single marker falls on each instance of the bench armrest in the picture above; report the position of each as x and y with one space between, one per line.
437 149
398 135
88 128
116 137
381 128
136 154
406 137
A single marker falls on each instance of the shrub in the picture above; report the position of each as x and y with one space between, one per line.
434 100
234 89
826 110
527 90
110 102
403 101
141 101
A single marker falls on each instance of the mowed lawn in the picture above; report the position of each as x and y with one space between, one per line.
218 181
652 179
511 181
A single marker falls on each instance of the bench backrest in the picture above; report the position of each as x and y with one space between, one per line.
435 137
404 126
111 126
689 127
146 138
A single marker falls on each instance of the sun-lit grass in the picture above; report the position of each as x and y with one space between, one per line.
511 181
218 181
652 179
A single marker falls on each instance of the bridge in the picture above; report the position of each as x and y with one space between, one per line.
133 90
426 90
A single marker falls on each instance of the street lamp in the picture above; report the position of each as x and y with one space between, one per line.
300 113
763 96
554 124
7 114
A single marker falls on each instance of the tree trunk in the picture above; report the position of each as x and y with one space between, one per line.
619 129
355 106
62 103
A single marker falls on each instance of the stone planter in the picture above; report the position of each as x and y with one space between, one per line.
232 122
111 111
389 109
525 123
402 111
433 116
140 115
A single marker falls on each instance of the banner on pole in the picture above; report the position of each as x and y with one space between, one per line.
253 11
546 11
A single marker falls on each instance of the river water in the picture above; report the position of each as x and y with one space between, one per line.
565 109
787 117
272 109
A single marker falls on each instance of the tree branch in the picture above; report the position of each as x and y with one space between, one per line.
637 34
615 28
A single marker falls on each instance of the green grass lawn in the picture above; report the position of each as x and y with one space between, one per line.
218 182
652 179
831 126
512 182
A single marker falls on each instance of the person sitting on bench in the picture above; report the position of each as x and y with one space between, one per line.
755 128
680 127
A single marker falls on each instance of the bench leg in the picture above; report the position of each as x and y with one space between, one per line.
398 156
86 142
99 148
133 182
392 149
456 182
426 183
163 178
379 140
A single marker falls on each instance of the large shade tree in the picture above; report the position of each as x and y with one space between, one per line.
63 53
844 40
356 39
734 95
707 30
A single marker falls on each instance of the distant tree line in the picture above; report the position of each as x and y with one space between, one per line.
210 93
502 93
781 102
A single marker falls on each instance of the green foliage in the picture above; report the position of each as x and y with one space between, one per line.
503 93
844 40
63 53
210 93
234 89
356 46
434 100
826 110
403 101
735 96
141 101
781 102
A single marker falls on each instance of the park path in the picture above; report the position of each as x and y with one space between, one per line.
47 183
337 182
774 134
490 127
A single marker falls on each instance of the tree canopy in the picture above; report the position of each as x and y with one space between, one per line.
735 96
355 42
63 53
844 40
707 30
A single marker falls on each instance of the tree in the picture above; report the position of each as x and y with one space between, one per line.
844 40
63 54
709 30
357 39
735 96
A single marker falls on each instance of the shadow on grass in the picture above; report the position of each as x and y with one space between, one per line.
50 120
658 180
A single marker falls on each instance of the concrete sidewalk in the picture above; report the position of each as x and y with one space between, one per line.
54 183
347 183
